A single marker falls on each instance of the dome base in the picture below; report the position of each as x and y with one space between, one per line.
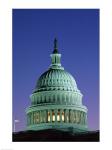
59 126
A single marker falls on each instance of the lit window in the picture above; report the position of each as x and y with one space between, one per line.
63 116
58 116
48 118
53 116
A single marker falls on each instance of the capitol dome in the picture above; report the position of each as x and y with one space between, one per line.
56 101
56 79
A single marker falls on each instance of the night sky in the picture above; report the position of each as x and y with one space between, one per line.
77 31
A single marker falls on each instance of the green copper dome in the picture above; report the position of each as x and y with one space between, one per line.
56 101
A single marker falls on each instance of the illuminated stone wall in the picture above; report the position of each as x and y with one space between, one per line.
46 116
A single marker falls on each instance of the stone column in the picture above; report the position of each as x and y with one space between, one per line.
31 118
73 116
70 116
65 115
50 115
84 118
78 114
40 116
46 115
81 117
60 115
65 99
42 119
55 111
55 98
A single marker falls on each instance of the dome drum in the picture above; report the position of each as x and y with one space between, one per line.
39 119
56 97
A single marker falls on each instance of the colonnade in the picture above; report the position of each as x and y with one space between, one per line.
53 116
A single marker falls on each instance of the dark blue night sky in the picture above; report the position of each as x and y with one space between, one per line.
77 31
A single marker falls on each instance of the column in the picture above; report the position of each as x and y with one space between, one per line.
65 99
46 116
81 117
74 116
50 115
84 118
40 117
55 98
78 116
31 118
65 115
60 115
71 116
55 111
